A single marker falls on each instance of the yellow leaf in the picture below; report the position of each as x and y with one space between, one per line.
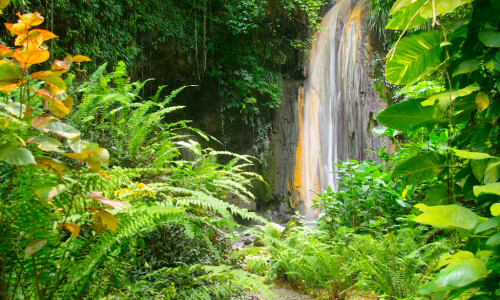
80 58
31 56
34 247
107 220
4 3
482 101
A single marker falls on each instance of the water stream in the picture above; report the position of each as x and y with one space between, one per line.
328 103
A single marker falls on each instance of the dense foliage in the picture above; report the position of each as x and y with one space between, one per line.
243 45
73 227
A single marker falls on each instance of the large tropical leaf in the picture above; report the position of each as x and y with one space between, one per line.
440 195
412 56
447 216
470 155
410 116
16 156
492 188
421 167
489 37
402 18
442 7
444 98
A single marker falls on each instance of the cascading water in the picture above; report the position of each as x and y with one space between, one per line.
329 109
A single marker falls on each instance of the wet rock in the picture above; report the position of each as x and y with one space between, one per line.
294 222
258 242
248 242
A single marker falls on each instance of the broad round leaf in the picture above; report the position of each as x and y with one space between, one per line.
447 217
63 130
74 229
51 165
412 56
489 37
16 156
440 195
492 173
409 116
478 168
494 240
482 101
495 209
467 66
462 274
31 56
421 167
33 247
48 192
46 143
108 220
487 225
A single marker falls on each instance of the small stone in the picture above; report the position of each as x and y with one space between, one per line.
248 241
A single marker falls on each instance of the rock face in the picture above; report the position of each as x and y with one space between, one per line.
274 140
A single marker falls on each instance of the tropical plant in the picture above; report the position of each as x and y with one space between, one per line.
465 55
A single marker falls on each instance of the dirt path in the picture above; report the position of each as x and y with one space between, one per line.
286 294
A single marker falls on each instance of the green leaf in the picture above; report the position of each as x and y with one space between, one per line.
429 70
478 168
455 25
10 73
412 56
447 217
495 209
462 274
34 247
494 240
467 66
470 155
409 116
79 145
46 143
495 4
98 157
440 195
63 130
442 7
10 122
489 37
492 188
487 225
14 108
421 167
444 98
482 101
48 192
399 5
492 173
16 156
403 17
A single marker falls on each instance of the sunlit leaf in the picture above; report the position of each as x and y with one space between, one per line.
33 247
470 155
10 122
56 107
447 217
412 56
495 209
494 240
440 195
400 4
4 3
29 42
98 158
492 188
482 101
51 165
445 98
46 193
31 19
421 167
108 220
42 121
74 229
442 7
63 130
60 66
401 19
52 78
10 153
46 143
79 145
99 197
31 56
5 52
80 58
10 73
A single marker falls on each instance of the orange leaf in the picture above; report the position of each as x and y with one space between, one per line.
80 58
74 229
5 52
77 156
30 20
99 197
42 121
45 34
9 87
29 42
60 65
16 29
31 56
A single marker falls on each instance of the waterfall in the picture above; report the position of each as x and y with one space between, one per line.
328 107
